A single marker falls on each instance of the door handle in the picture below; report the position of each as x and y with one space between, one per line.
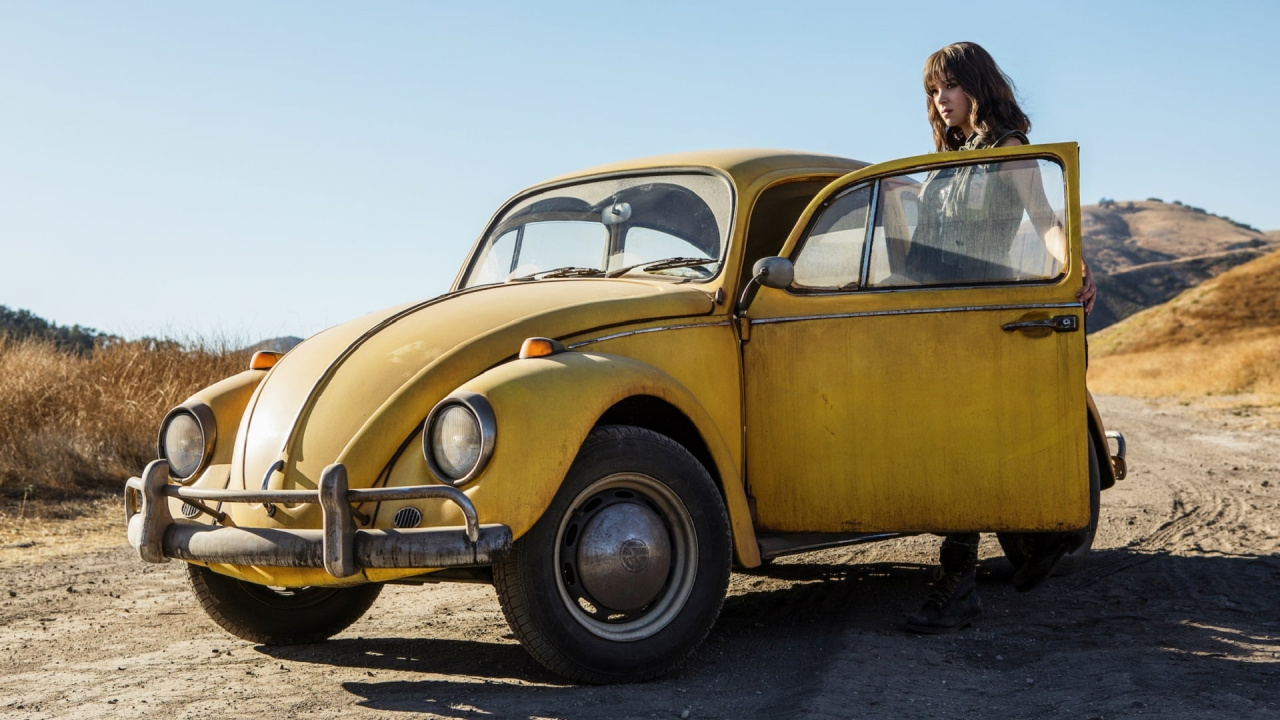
1060 323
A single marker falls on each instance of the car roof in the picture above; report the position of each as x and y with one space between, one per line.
745 166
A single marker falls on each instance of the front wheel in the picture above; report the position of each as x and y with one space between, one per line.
624 575
1019 547
278 616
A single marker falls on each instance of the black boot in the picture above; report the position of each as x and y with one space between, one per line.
952 604
1044 556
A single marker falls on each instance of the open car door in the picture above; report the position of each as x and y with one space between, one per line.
924 370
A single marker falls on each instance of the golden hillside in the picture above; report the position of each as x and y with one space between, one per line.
1145 253
1221 337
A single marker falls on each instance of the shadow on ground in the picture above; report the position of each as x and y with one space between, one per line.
812 638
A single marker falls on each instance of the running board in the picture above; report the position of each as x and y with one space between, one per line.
779 544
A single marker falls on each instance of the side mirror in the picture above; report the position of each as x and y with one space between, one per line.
774 272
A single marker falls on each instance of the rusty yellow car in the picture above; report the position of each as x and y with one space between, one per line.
644 376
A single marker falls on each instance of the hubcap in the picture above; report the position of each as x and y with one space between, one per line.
626 557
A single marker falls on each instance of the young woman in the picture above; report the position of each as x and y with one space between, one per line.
971 106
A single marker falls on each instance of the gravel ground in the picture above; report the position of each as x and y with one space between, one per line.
1175 616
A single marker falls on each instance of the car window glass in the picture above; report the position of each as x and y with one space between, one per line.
645 244
609 224
556 244
831 255
495 260
774 215
970 224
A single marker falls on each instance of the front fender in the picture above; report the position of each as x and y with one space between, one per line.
544 409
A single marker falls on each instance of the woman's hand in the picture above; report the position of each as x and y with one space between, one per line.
1089 292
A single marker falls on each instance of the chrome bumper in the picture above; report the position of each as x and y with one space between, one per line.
1117 460
338 547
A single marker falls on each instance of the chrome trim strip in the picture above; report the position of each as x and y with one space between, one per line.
865 271
642 331
920 311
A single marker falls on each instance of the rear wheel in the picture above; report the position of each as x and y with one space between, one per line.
624 575
278 616
1019 547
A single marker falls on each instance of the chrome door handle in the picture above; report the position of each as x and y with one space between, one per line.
1061 323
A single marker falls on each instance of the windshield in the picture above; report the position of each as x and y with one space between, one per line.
671 225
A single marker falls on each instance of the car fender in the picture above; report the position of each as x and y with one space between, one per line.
544 409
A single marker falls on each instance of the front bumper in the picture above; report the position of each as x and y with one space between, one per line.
339 547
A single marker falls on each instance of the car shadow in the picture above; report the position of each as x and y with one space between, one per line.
807 634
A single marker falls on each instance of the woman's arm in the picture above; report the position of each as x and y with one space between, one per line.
1031 191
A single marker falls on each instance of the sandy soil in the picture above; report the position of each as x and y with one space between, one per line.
1174 617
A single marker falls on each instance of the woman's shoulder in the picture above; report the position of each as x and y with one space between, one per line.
1009 138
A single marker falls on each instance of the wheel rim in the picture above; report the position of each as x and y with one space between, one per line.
626 557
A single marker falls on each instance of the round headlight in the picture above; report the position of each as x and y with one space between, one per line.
186 440
458 437
455 441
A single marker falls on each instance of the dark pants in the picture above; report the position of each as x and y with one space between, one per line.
959 552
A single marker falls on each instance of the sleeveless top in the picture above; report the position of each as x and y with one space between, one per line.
969 216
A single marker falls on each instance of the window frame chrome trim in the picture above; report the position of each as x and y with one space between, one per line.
865 270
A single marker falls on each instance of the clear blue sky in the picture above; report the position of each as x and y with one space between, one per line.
246 169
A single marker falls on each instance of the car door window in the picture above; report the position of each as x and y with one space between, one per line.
988 222
831 256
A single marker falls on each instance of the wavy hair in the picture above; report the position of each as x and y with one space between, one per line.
993 107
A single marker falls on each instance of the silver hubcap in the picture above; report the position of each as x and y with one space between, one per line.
626 555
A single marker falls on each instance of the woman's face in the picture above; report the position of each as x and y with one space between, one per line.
951 103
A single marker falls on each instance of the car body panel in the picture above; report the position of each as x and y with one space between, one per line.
911 409
366 402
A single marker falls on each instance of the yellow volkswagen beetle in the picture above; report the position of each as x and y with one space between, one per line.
644 375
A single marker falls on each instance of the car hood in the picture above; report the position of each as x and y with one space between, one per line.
356 392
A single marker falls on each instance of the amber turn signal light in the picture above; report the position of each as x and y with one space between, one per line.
263 360
540 347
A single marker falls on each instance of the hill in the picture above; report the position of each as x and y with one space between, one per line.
23 325
1144 253
1222 336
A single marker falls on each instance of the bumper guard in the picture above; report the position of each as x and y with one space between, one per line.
340 548
1117 460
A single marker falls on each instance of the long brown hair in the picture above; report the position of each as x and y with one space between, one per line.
992 105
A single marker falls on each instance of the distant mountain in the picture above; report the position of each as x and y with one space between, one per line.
276 344
1146 252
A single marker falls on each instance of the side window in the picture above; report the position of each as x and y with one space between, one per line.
970 224
774 215
831 256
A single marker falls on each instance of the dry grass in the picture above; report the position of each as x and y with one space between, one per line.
1219 338
77 426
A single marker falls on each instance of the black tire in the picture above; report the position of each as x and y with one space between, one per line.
1018 546
588 590
278 616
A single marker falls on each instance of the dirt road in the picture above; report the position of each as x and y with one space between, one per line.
1177 615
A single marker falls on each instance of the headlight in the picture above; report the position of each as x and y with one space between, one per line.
458 437
186 440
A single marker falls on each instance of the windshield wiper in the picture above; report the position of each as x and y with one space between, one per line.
663 264
567 271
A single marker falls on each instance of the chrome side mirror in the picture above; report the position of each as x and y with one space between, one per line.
773 272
